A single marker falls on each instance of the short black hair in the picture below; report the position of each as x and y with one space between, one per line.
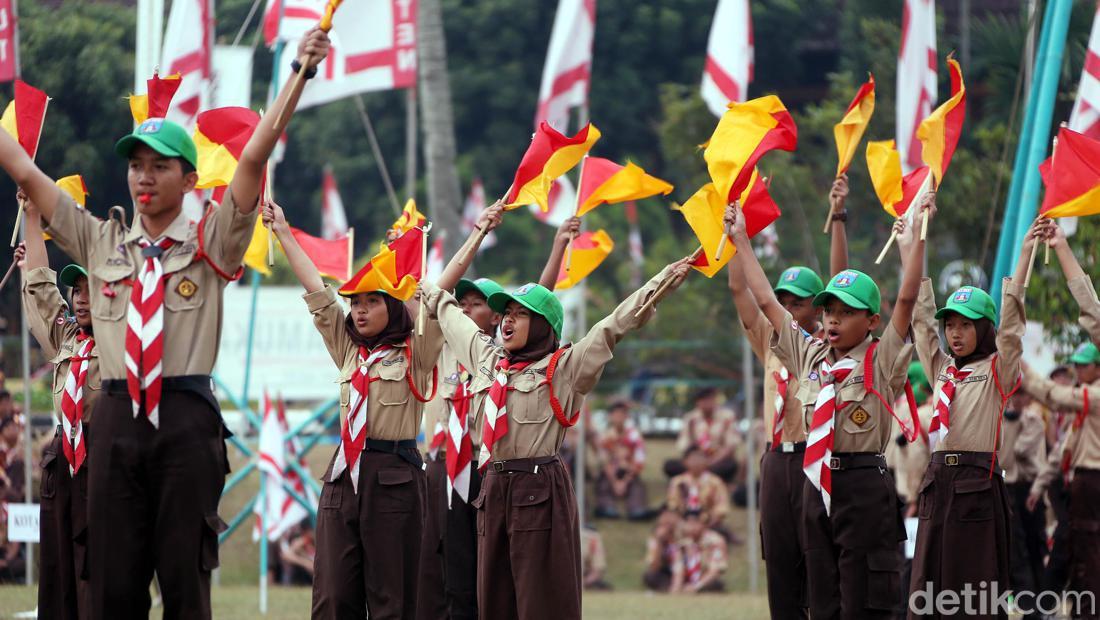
706 392
5 395
618 404
692 449
6 422
185 166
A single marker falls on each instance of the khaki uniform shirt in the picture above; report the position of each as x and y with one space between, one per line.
593 557
864 424
192 290
713 435
46 320
711 550
533 430
794 429
1085 294
976 406
910 461
661 555
1083 443
449 378
1024 448
714 498
392 411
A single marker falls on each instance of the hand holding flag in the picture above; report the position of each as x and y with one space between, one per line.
311 51
23 119
896 193
939 133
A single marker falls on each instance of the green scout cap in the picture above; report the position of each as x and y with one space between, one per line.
854 288
1086 353
918 379
485 286
534 297
973 303
70 273
164 137
800 281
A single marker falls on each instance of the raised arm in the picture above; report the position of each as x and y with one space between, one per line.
838 243
303 267
912 271
758 284
245 186
35 245
1037 230
926 334
744 302
1078 281
562 239
489 219
21 168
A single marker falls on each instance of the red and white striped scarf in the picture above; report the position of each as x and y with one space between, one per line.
693 562
72 403
439 435
496 410
941 416
356 426
693 500
782 384
144 331
460 450
819 442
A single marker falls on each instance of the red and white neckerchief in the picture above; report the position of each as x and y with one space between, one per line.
354 435
693 500
72 403
693 562
145 331
439 435
782 384
460 449
941 415
703 439
819 441
496 410
633 439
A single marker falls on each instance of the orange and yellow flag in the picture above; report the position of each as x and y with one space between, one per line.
154 104
604 182
410 218
939 133
25 115
395 269
744 134
894 191
74 186
550 155
849 131
589 250
704 212
1072 176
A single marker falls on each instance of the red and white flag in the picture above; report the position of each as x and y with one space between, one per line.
277 453
8 26
436 264
568 69
373 45
635 237
475 204
916 87
188 50
334 222
563 203
729 64
1085 117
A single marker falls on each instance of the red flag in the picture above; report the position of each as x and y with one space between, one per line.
549 156
25 115
331 256
1075 189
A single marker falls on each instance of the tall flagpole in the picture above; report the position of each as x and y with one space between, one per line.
749 384
411 134
578 333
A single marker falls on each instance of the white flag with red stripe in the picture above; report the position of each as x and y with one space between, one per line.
1085 117
276 455
436 264
188 50
562 200
568 69
475 204
373 45
334 222
729 63
916 86
635 236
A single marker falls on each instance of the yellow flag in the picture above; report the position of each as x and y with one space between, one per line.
849 131
703 213
256 254
884 165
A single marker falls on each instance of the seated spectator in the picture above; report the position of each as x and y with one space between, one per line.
662 555
7 407
13 563
712 429
703 555
698 490
297 549
593 560
622 452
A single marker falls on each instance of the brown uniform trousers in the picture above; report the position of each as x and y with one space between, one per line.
1084 514
529 563
852 555
371 539
460 551
153 502
782 544
63 590
431 593
964 514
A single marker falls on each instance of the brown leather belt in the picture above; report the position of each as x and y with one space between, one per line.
856 460
971 459
530 466
787 447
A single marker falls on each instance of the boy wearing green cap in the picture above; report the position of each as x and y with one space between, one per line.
846 382
64 331
156 305
529 537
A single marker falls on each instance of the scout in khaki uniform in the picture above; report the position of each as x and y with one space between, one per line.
528 545
156 308
702 557
371 511
63 590
1023 452
846 382
963 508
713 429
622 457
662 555
698 490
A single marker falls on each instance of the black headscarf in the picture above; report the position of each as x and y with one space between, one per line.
397 330
987 343
541 341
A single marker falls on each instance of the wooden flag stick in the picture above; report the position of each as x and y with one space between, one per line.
351 251
423 272
470 248
269 195
721 245
889 242
929 184
18 222
1046 253
7 276
664 287
576 213
1030 264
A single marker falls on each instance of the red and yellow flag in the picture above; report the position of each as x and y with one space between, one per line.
939 133
332 257
74 186
220 137
704 212
1072 176
550 155
155 103
744 134
849 131
589 250
894 191
410 218
25 115
604 182
394 270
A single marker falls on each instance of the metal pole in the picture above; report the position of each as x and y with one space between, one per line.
750 448
28 484
377 150
964 32
411 134
263 542
579 332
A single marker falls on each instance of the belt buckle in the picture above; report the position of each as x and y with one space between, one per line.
834 463
498 466
951 460
786 446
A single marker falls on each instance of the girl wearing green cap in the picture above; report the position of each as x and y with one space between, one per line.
963 505
529 537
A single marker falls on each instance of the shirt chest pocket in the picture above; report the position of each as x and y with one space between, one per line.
110 300
185 289
526 398
391 388
856 417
